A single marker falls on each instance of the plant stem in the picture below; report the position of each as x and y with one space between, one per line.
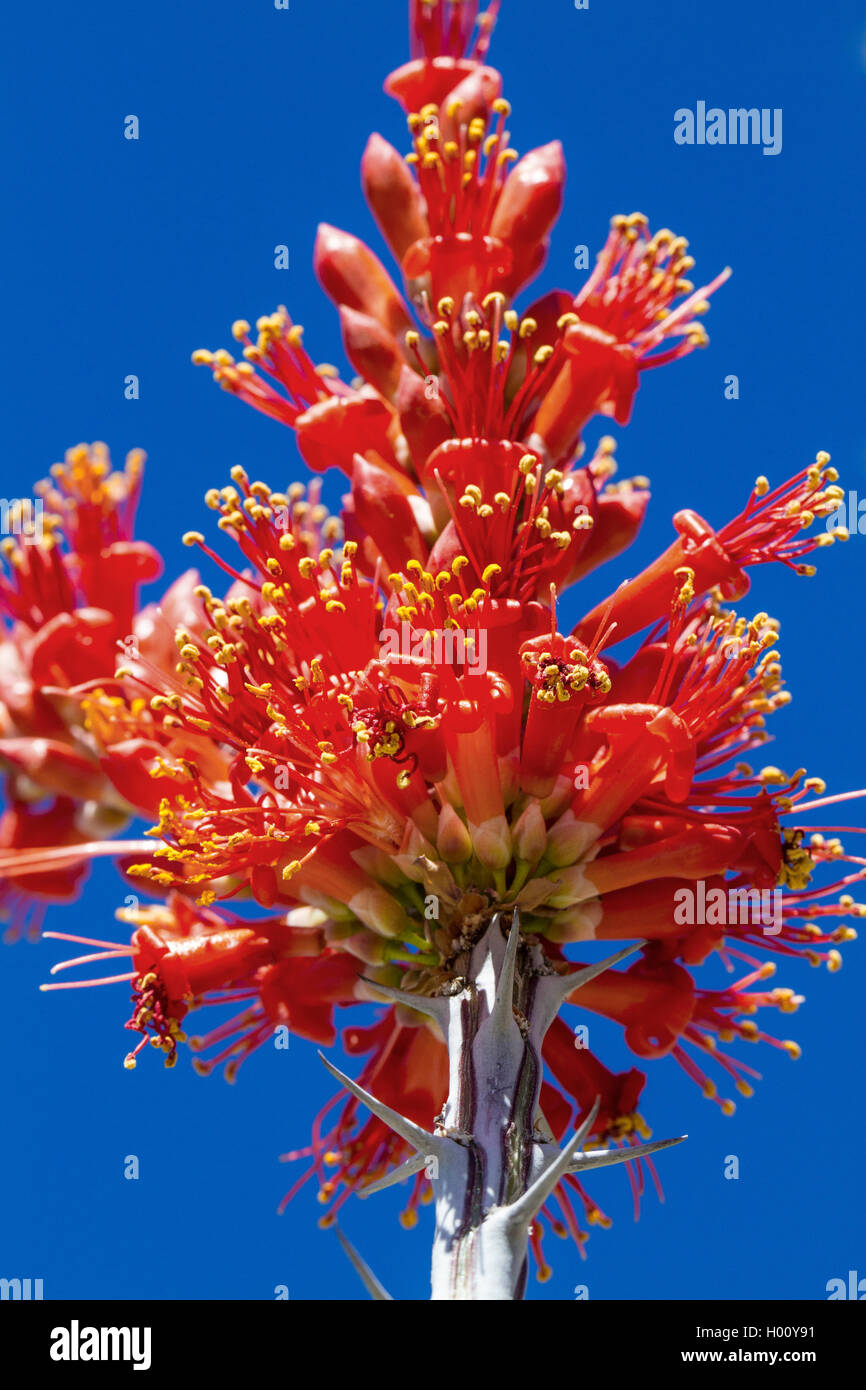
479 1251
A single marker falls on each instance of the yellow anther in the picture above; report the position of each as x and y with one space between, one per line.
687 591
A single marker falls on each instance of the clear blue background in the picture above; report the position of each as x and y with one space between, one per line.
121 257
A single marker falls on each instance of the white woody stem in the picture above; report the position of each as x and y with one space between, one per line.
479 1251
492 1160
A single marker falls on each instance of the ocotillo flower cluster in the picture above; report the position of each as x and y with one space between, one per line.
375 731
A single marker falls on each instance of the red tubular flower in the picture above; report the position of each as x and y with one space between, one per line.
440 35
486 229
563 679
68 607
184 957
621 316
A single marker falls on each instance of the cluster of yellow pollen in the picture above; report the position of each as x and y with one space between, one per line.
150 1011
86 476
816 497
557 680
480 349
650 270
460 178
278 349
424 602
658 274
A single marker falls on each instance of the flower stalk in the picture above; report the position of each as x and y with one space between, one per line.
492 1158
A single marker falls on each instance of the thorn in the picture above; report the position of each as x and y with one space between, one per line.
406 1170
570 983
502 1013
553 990
585 1129
420 1139
436 1007
363 1270
543 1128
603 1158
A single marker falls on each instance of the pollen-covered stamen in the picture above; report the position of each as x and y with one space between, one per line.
74 542
527 521
381 737
441 622
380 732
157 1018
772 525
461 179
631 292
276 359
494 368
277 531
564 677
95 504
797 862
729 680
445 28
717 1018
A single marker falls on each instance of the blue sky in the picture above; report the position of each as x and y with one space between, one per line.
121 257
